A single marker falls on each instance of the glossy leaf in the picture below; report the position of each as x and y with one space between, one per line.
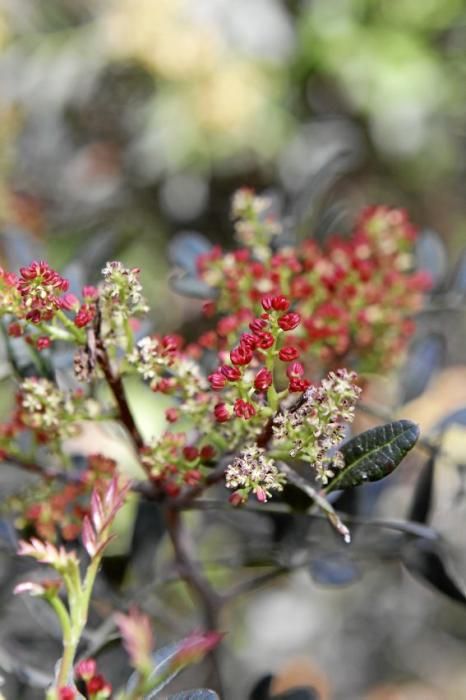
374 454
431 564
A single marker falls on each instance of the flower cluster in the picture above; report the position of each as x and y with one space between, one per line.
174 463
354 295
40 288
253 472
50 412
121 294
254 226
315 425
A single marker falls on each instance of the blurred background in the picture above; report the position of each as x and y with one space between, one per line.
124 122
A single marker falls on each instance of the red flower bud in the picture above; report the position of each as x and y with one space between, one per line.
289 321
207 453
295 370
172 415
249 340
190 453
258 325
267 302
288 353
15 330
85 669
266 340
297 384
66 693
217 381
280 303
244 409
85 315
263 379
171 489
43 342
231 373
236 499
221 413
241 355
192 477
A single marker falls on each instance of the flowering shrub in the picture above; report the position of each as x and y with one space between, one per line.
262 401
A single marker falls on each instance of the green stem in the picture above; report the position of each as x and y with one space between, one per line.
70 642
77 333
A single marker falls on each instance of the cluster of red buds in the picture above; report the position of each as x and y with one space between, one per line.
50 412
354 295
95 685
174 463
58 510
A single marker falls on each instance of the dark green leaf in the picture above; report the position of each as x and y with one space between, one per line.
261 690
374 454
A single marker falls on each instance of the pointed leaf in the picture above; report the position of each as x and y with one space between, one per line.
421 503
374 454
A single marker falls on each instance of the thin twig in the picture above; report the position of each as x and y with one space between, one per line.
298 481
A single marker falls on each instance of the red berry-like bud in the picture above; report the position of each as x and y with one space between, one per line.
90 293
298 384
236 499
217 381
190 453
241 355
43 342
221 413
290 321
267 302
288 354
68 302
244 409
258 325
207 453
66 693
249 340
85 669
263 379
280 303
295 370
231 373
192 477
15 330
85 315
266 340
172 415
171 489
